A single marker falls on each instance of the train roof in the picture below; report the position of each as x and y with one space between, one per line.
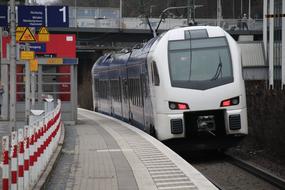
194 32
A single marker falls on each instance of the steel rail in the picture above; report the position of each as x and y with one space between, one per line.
257 171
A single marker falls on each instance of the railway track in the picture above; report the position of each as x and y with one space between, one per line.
229 172
257 171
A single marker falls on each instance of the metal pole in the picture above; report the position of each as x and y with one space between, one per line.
188 12
271 41
33 89
219 13
241 8
194 12
27 92
13 66
283 46
234 9
265 28
121 14
75 12
0 52
249 9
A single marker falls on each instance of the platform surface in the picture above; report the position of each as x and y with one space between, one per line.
110 154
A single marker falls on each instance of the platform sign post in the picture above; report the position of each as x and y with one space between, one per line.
27 92
13 66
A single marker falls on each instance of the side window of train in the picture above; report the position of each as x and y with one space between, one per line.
155 76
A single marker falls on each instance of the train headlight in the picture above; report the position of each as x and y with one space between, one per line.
230 102
178 106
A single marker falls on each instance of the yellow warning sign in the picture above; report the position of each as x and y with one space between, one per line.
43 30
27 36
19 32
34 65
55 61
43 35
27 55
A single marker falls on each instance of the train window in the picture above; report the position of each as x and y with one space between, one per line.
155 75
194 34
207 63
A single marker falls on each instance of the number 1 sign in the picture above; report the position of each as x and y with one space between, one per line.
57 16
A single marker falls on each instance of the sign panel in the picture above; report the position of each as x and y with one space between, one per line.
31 16
43 35
34 65
43 30
19 32
27 36
37 47
3 16
55 61
43 38
27 55
57 16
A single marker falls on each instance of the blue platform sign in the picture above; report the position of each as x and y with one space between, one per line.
37 47
31 16
3 16
57 16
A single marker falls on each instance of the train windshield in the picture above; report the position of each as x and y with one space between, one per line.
200 63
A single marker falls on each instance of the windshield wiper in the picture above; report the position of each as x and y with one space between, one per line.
219 71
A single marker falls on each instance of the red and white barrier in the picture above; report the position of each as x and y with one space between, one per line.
5 163
30 151
21 159
14 160
26 157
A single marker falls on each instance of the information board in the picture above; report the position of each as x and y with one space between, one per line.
31 16
3 16
57 16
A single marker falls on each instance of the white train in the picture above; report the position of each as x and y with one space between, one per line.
186 83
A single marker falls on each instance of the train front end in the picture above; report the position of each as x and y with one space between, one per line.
201 89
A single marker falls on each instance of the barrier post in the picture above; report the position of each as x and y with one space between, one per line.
49 104
26 157
21 159
14 160
5 163
31 155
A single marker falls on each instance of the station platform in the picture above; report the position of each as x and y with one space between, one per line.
110 154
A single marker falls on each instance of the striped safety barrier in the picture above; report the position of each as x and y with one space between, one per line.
30 151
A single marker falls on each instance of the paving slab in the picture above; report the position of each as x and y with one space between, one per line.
103 153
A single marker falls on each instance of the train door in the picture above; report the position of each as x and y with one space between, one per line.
125 94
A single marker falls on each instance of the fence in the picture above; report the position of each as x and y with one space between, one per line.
30 149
